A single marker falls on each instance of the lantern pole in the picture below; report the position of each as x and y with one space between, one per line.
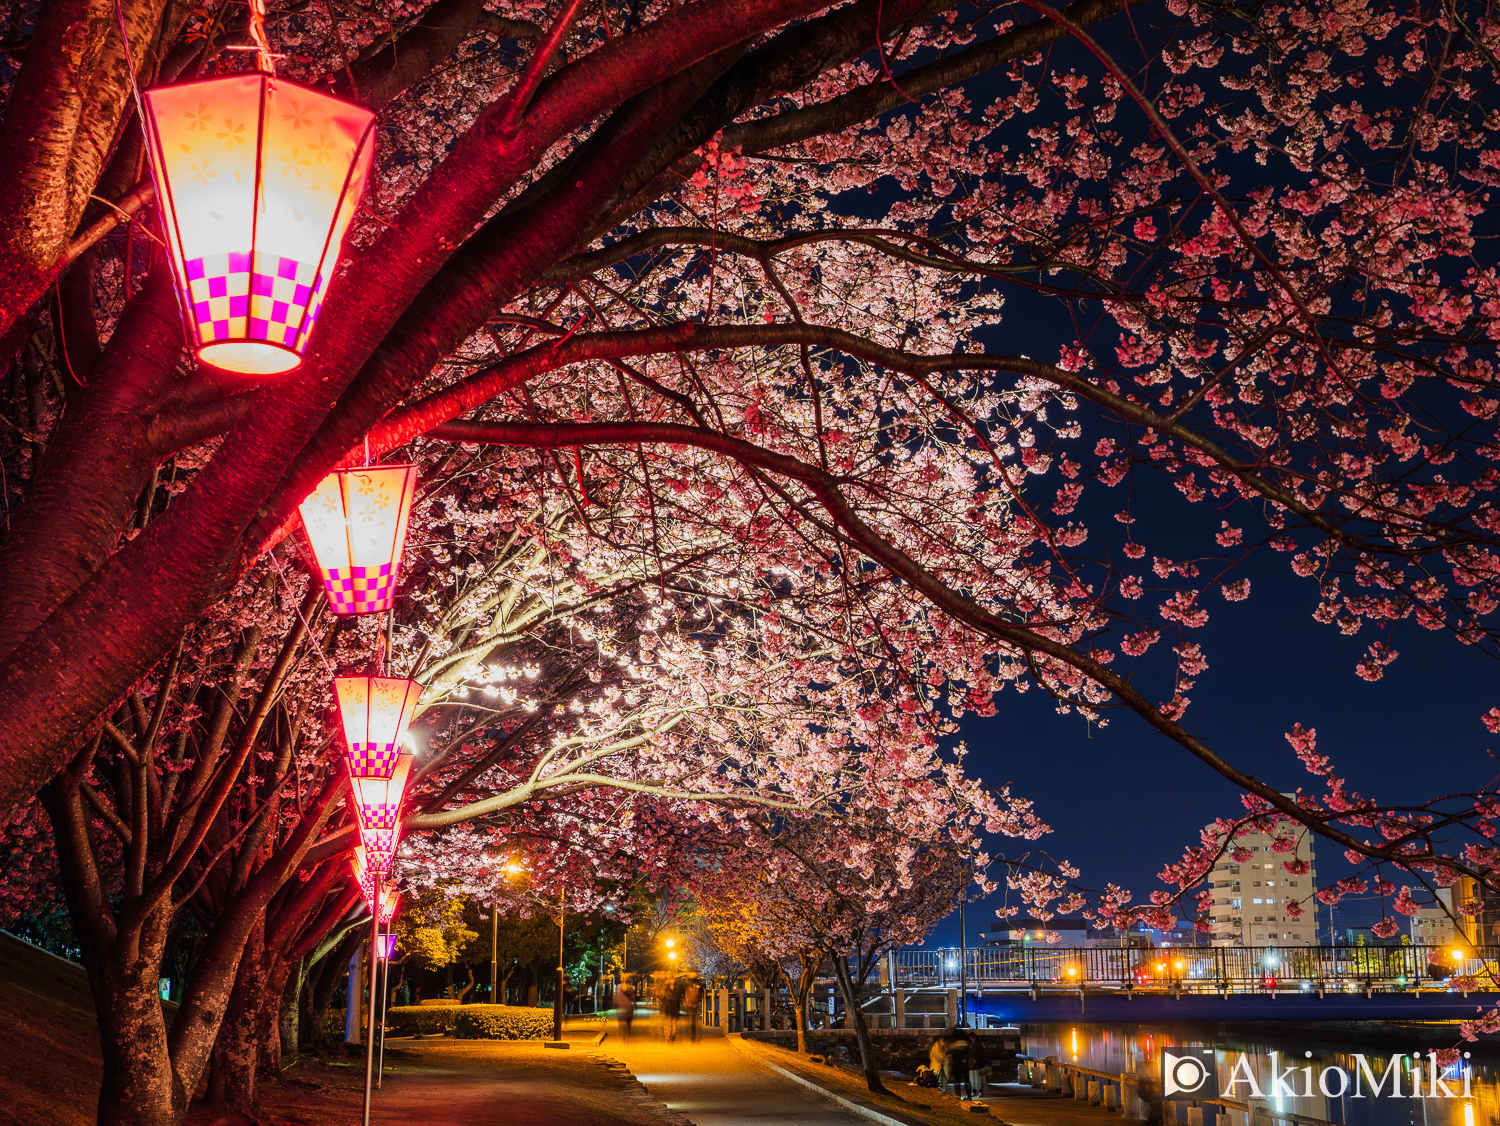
374 958
557 1001
385 996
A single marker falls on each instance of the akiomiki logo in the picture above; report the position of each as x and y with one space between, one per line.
1189 1073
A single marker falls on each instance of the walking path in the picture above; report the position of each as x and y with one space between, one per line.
714 1084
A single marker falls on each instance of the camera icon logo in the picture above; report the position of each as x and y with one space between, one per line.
1183 1073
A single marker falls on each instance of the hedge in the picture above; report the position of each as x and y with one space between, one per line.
421 1020
502 1022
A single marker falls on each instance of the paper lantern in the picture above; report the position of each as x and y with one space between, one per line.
377 801
356 520
375 710
385 947
258 179
366 863
390 903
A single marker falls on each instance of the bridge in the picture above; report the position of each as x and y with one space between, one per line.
1272 983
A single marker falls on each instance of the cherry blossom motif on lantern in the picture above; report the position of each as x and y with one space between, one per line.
258 179
356 520
375 712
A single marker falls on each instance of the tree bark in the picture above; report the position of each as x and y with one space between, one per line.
857 1019
288 1026
236 1052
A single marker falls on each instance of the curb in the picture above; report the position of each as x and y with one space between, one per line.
858 1106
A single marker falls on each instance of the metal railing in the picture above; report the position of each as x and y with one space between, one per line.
1198 969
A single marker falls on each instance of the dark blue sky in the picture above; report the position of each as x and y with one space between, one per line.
1123 800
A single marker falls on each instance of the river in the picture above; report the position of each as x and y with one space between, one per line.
1324 1069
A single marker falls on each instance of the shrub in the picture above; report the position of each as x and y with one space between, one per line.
422 1020
503 1022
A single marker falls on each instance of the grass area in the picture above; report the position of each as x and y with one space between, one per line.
927 1104
49 1043
49 1039
1010 1103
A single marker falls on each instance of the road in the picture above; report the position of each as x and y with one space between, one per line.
715 1084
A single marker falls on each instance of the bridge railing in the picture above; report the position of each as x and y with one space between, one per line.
1199 969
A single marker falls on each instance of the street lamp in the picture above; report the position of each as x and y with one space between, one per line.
510 869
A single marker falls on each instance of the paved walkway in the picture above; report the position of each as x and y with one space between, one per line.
716 1085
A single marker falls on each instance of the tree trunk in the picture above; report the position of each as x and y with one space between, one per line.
801 989
464 992
320 989
289 1031
138 1084
236 1050
856 1016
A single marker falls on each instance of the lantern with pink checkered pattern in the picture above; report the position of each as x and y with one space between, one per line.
258 179
356 520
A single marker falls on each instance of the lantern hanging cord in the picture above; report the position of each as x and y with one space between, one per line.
265 61
135 90
306 625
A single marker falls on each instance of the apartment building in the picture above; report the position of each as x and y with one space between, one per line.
1250 896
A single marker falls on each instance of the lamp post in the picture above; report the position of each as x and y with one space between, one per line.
557 999
374 961
963 963
494 945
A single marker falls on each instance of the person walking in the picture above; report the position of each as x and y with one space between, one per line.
937 1060
957 1062
692 997
670 999
979 1075
625 1006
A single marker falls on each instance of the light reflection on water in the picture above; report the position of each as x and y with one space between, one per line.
1124 1047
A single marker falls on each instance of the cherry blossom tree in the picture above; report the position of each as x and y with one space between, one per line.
728 286
797 890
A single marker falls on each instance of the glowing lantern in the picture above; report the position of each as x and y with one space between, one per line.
367 863
375 710
378 803
258 180
356 520
390 903
386 946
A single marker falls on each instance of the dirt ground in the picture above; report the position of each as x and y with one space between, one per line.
443 1082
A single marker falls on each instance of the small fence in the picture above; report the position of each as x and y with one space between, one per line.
1194 969
1122 1093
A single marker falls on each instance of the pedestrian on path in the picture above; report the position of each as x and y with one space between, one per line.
957 1062
979 1075
625 1006
671 1004
937 1060
692 997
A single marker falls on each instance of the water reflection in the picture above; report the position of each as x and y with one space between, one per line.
1302 1058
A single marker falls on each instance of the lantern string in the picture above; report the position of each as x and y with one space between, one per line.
135 90
265 61
306 625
